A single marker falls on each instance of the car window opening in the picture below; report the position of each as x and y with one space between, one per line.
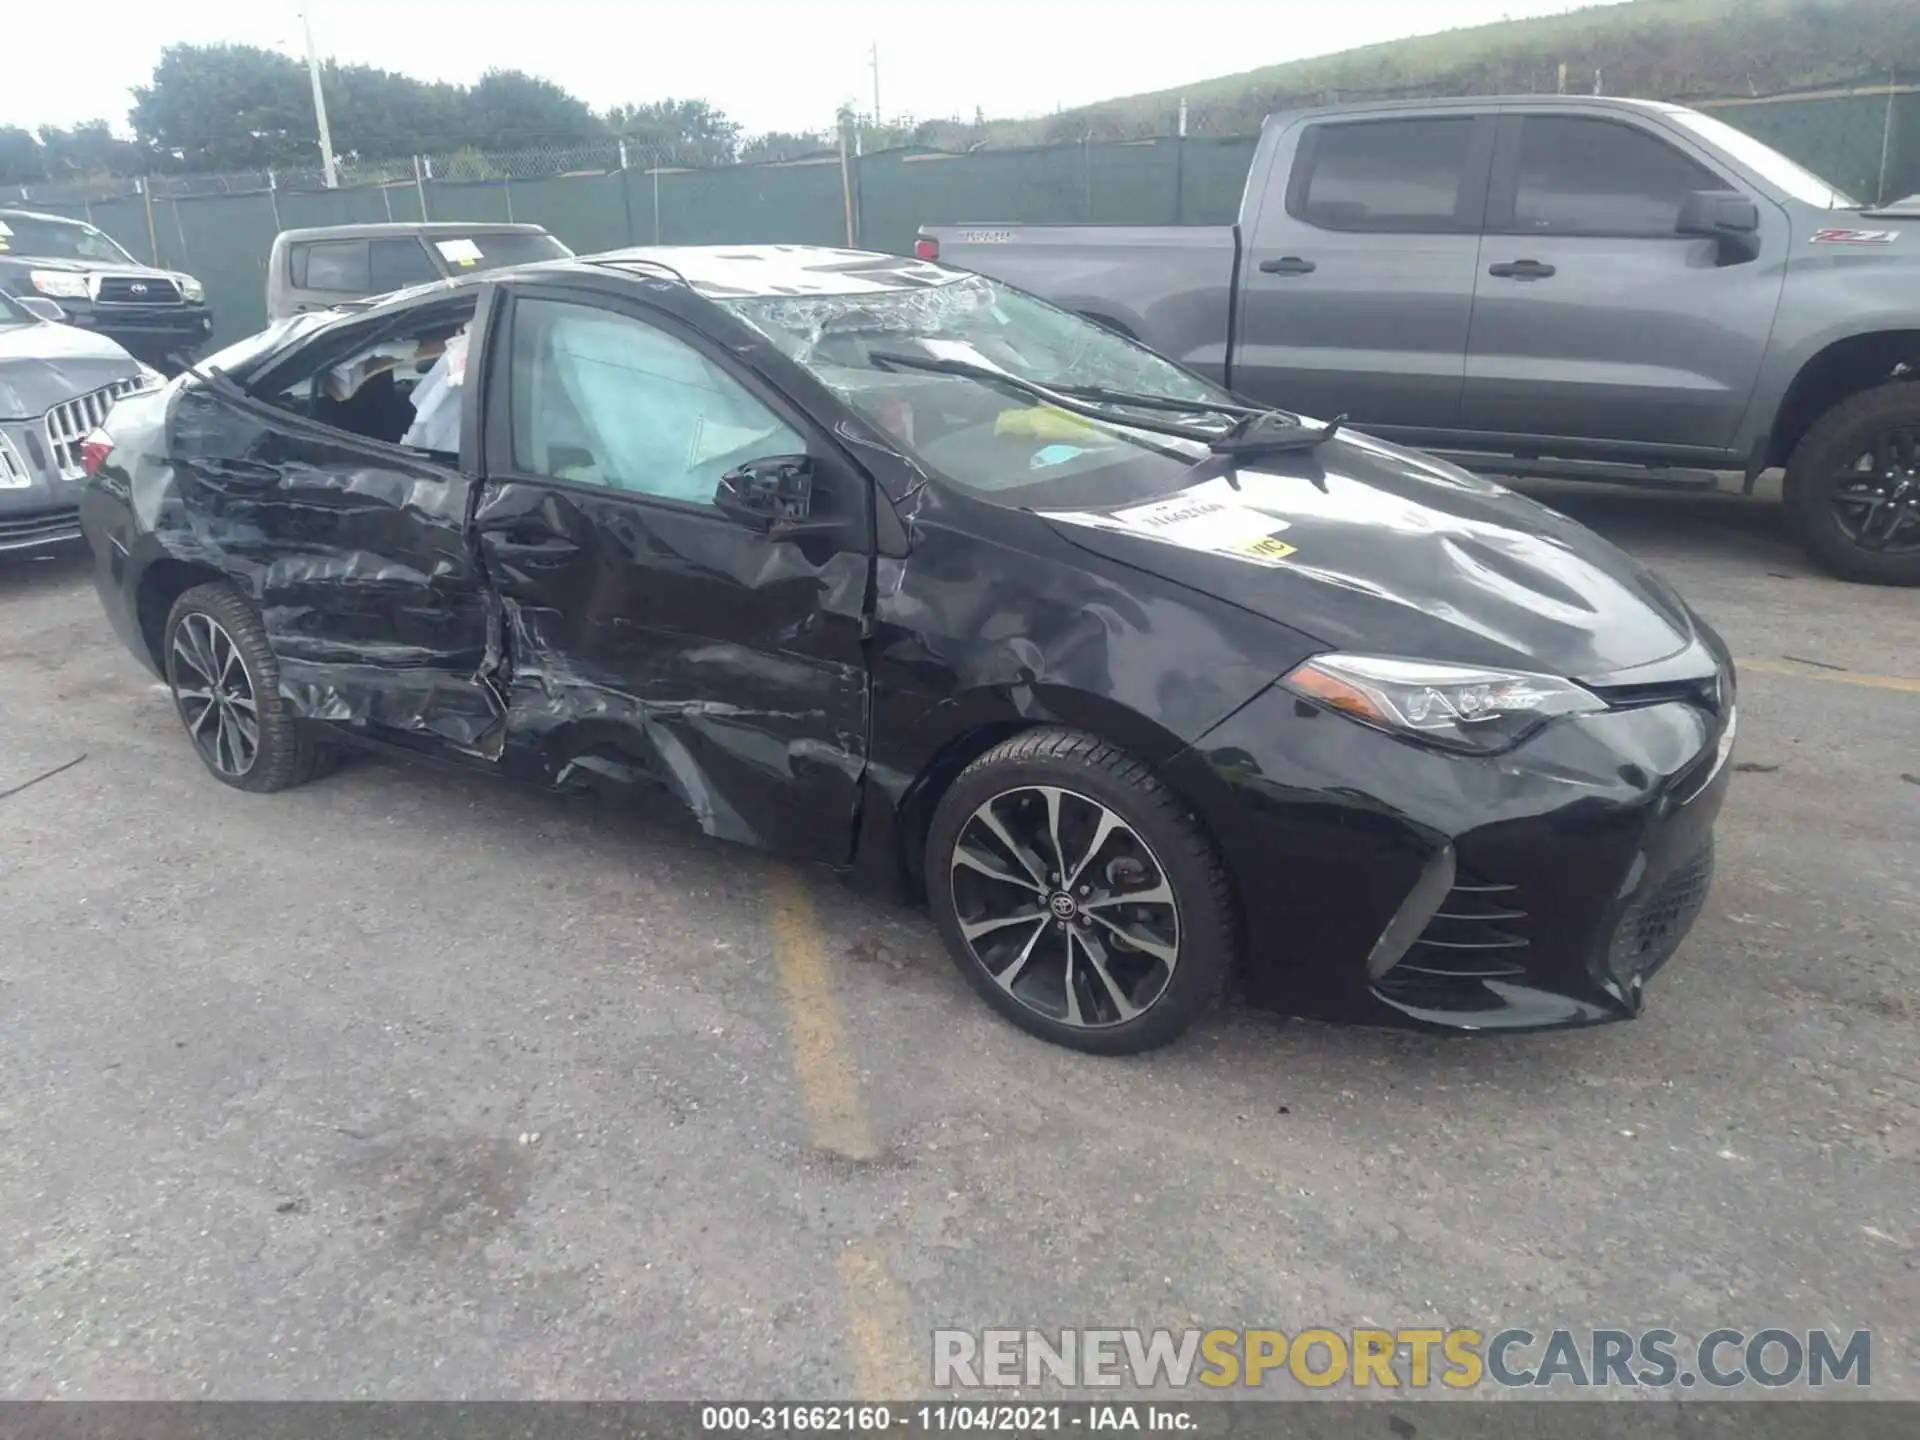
604 399
404 389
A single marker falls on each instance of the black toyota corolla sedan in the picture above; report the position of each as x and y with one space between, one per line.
876 563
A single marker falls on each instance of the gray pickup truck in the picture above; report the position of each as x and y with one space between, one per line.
1601 289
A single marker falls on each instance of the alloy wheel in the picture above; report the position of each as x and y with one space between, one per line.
1876 500
1065 906
215 694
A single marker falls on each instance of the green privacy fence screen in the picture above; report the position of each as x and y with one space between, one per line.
1866 143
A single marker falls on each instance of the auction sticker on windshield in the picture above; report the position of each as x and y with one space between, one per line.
458 252
1204 518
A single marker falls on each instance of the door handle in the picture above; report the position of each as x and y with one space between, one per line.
1521 270
1287 265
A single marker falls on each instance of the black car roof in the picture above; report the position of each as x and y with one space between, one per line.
723 272
712 272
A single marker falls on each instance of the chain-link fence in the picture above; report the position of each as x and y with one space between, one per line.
1144 166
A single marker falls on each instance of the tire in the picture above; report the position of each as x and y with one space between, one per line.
1165 961
246 737
1884 421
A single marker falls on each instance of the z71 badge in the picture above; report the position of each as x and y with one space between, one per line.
1855 237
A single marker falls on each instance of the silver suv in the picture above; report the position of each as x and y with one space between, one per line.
319 268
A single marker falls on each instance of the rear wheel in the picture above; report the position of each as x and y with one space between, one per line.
225 684
1078 895
1853 486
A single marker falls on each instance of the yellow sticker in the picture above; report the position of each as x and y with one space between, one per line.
1270 547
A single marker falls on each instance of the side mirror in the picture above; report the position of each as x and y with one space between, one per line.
42 307
1721 215
1718 215
767 494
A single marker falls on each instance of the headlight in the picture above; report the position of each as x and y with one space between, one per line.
150 378
1456 707
61 284
191 290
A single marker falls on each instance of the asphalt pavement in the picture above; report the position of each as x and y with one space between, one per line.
410 1085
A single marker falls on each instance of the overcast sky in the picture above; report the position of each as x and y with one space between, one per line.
771 64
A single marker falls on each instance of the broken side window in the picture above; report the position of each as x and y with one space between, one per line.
400 380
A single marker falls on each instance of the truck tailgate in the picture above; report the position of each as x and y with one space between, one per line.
1168 285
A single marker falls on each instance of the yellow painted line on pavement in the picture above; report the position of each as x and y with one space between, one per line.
836 1117
877 1330
872 1302
1832 677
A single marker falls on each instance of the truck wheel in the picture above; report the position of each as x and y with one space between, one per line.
1853 487
1077 894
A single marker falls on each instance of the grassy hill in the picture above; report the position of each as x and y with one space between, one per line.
1664 49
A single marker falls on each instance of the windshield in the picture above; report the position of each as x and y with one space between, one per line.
969 430
58 240
1766 162
235 358
483 251
12 312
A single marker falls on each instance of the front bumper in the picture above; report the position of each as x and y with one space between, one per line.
46 509
147 332
1383 881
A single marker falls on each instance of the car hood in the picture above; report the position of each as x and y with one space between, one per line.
51 262
1367 547
41 365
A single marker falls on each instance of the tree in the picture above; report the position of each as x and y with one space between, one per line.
88 149
378 115
775 145
20 159
691 132
227 107
511 110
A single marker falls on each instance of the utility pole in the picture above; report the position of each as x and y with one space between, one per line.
319 103
875 61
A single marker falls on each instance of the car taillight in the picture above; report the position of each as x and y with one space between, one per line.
94 451
926 248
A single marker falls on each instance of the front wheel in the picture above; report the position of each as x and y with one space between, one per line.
1853 486
1078 895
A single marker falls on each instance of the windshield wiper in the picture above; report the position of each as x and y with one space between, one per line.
1262 432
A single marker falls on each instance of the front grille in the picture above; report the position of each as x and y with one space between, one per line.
39 527
1704 691
136 290
1654 924
71 421
1479 933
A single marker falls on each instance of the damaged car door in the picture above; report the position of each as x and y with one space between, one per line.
333 491
683 560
